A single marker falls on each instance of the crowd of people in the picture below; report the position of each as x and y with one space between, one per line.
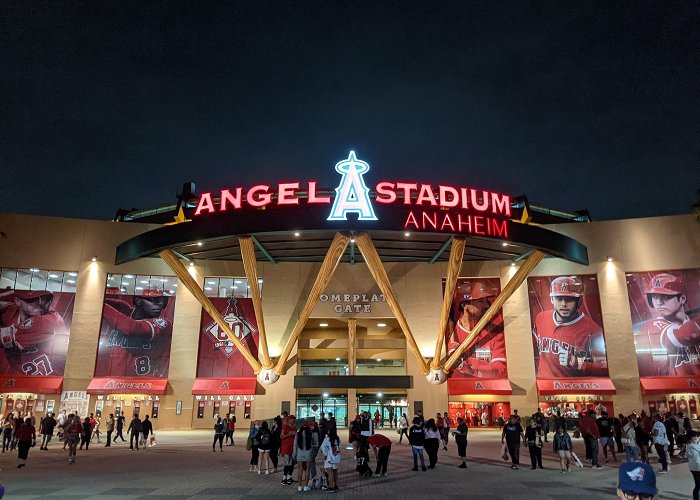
20 432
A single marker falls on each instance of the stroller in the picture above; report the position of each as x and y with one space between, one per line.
362 457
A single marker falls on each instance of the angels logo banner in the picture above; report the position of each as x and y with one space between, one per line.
135 335
665 310
218 357
486 355
34 331
567 327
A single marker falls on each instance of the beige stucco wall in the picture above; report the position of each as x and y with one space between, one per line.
68 244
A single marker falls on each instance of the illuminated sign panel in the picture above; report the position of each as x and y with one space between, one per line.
429 208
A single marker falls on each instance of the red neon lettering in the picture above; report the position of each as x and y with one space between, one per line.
407 188
447 192
411 220
501 230
426 194
432 222
227 198
262 200
500 204
285 193
313 198
465 198
205 204
447 222
385 193
462 223
479 224
480 207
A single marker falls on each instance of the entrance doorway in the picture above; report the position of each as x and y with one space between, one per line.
384 409
313 404
478 414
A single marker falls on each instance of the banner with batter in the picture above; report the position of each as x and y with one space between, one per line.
486 355
665 309
218 357
34 330
135 335
567 327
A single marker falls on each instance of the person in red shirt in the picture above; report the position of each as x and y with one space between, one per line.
381 445
486 354
33 335
589 428
668 344
287 436
26 438
567 342
135 340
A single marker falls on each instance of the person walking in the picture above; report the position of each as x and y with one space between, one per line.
276 435
512 435
7 424
135 431
303 443
73 430
416 437
642 439
231 426
533 438
461 440
432 442
381 446
606 429
95 422
589 428
446 423
692 451
563 447
287 447
403 426
331 452
264 439
366 429
87 433
26 438
660 439
48 424
629 440
146 430
254 446
218 435
109 423
120 428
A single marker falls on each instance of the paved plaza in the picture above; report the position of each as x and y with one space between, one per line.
182 466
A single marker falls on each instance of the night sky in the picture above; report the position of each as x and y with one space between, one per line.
578 105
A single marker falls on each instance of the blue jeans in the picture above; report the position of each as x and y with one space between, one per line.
418 452
594 452
632 453
312 464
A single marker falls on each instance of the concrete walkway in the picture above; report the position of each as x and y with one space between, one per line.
182 466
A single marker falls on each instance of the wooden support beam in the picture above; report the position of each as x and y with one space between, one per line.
528 266
456 256
376 268
181 272
251 273
330 263
352 346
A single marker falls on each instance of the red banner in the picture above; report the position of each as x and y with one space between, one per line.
224 386
459 386
37 385
133 385
575 386
667 385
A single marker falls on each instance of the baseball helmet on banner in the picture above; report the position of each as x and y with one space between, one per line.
665 284
566 286
154 292
479 291
32 294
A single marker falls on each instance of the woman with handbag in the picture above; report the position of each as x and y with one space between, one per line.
533 437
629 440
564 448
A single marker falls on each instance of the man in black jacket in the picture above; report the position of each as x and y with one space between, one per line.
135 429
47 427
146 429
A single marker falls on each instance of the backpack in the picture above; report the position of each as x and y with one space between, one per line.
265 439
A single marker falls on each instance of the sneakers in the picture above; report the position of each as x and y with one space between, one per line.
385 475
514 467
597 466
267 472
307 488
462 465
415 469
662 471
444 448
377 475
423 469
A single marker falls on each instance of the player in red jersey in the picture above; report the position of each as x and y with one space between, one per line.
668 344
135 340
567 342
486 354
28 331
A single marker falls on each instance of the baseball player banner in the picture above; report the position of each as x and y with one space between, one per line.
34 331
135 334
218 357
567 327
486 355
666 321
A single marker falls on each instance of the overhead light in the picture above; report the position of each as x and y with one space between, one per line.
207 288
381 325
54 276
297 234
211 282
610 259
145 282
94 258
139 288
71 282
234 287
352 240
512 263
72 274
407 233
237 281
128 276
260 280
323 325
325 394
172 292
380 394
504 244
34 270
191 263
337 359
199 243
379 359
162 280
